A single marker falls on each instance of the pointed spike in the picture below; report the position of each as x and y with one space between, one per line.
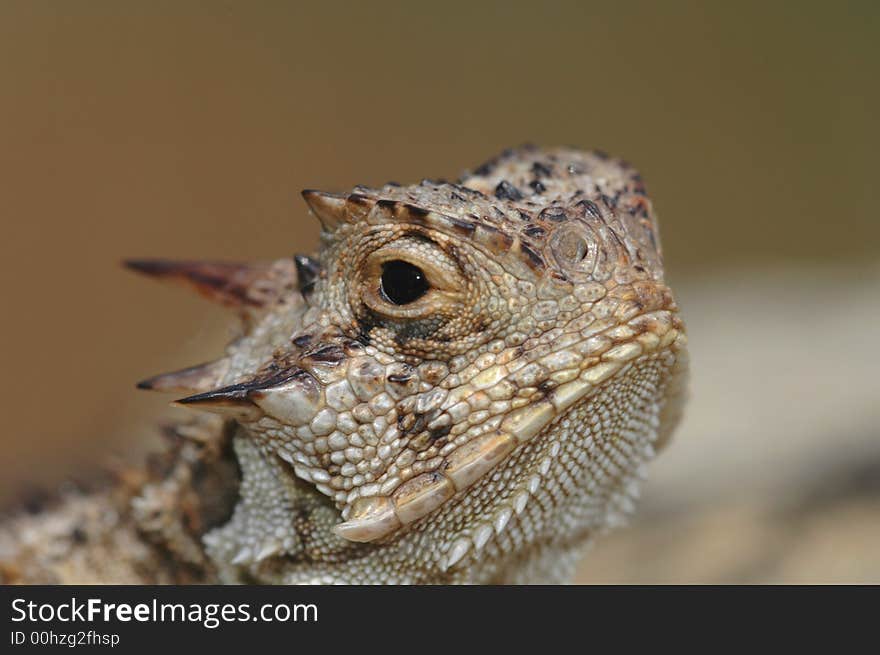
502 518
231 401
224 282
534 484
458 550
269 548
481 535
195 379
370 519
238 400
244 556
329 208
307 270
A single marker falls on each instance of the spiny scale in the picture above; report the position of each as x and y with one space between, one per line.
238 398
226 283
232 401
308 270
328 208
194 379
248 288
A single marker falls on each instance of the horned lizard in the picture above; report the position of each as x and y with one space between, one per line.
463 386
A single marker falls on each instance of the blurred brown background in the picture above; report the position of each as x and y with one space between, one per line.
187 129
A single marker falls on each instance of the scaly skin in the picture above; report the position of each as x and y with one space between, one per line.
480 428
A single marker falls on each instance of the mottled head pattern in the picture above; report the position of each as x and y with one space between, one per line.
468 374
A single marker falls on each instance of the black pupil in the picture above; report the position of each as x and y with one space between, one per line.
402 282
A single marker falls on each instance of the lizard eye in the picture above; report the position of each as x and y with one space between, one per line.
409 279
402 282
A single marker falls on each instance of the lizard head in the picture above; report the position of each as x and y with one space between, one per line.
442 329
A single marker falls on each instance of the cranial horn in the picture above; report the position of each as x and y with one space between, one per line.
329 208
238 400
194 379
224 282
231 401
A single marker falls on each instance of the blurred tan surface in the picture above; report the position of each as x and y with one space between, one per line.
187 129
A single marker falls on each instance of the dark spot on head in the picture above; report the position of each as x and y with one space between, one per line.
553 214
537 187
535 231
359 199
506 191
485 168
412 423
524 215
302 340
465 228
399 378
533 259
541 170
327 355
611 201
438 433
467 191
590 207
416 213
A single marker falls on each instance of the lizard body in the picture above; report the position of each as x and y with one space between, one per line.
463 386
